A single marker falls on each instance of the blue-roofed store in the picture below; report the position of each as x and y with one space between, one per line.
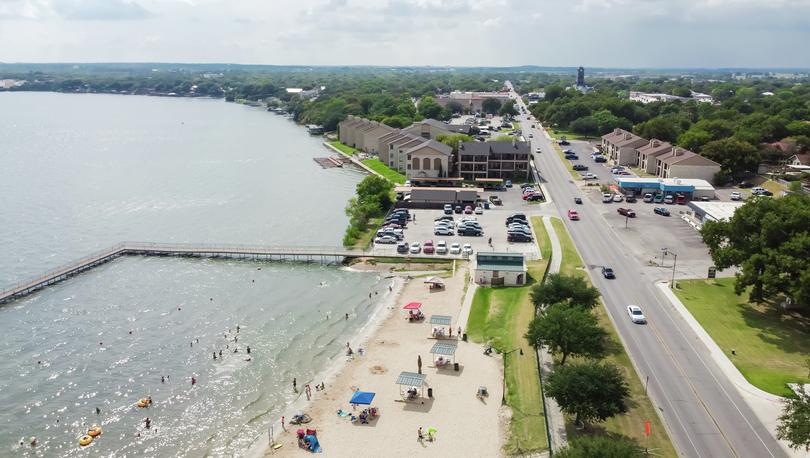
692 189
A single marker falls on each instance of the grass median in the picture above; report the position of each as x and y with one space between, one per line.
772 346
630 424
390 174
501 316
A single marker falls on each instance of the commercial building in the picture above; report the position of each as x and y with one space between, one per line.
714 211
507 160
497 269
690 188
432 197
471 102
648 97
620 146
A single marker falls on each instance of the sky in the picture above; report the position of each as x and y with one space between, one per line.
595 33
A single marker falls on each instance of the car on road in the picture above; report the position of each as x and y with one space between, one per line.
441 247
455 248
495 200
468 210
408 183
589 176
479 210
661 211
618 197
467 249
578 200
443 230
736 195
428 247
636 316
626 212
607 272
402 247
538 150
385 240
573 215
579 167
415 248
607 198
508 183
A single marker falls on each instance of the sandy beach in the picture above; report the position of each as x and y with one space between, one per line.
465 424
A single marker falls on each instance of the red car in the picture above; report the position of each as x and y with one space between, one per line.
573 215
626 212
428 247
468 210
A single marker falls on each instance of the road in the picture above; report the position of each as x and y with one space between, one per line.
704 414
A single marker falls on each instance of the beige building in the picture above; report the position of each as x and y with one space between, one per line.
429 159
681 163
647 155
363 134
431 128
500 269
471 102
620 146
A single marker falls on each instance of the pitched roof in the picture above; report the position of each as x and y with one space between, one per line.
486 148
433 144
681 156
655 148
804 159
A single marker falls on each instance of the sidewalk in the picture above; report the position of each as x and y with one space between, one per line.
554 416
766 406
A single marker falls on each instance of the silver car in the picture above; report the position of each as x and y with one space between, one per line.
636 316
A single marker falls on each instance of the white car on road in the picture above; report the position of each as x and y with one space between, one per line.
736 195
636 316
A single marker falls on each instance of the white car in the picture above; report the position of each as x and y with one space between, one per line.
415 248
386 239
736 195
618 198
455 248
443 230
441 247
538 150
479 210
467 249
589 176
407 182
607 198
635 314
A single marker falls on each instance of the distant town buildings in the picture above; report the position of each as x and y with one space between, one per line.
657 157
647 97
471 102
8 83
580 84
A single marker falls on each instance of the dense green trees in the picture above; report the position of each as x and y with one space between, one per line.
453 140
591 391
734 156
601 447
561 289
794 423
769 239
429 108
491 106
508 109
373 199
567 331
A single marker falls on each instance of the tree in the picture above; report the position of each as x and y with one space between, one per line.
797 128
562 289
567 331
429 108
375 189
508 109
660 128
769 240
453 140
554 92
397 121
490 105
694 139
735 156
455 107
590 391
601 447
794 423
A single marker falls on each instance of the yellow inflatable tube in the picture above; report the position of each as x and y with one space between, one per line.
85 440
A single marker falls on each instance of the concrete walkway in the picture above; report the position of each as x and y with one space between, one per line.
556 420
766 406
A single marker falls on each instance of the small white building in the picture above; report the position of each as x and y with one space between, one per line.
500 269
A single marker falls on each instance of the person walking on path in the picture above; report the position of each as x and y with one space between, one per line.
308 391
282 423
419 435
419 365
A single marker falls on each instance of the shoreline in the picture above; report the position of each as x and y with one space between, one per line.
337 365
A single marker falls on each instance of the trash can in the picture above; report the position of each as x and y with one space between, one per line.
430 392
464 337
455 367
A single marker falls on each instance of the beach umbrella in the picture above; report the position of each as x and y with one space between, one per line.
432 430
413 306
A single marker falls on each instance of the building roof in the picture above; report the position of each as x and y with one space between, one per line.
718 211
804 159
513 262
681 156
655 148
434 145
487 148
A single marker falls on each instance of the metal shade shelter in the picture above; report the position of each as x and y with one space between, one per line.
443 349
411 380
443 320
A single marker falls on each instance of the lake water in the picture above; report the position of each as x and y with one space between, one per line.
81 172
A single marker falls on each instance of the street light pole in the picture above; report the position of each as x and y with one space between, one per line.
674 262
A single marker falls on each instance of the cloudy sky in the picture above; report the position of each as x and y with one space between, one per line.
604 33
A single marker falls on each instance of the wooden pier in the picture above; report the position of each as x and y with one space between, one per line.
324 255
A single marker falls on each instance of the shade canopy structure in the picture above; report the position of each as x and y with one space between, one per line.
444 349
411 379
442 320
362 397
413 306
435 281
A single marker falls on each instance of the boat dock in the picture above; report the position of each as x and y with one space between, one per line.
324 255
331 161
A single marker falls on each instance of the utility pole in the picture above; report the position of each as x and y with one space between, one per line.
674 263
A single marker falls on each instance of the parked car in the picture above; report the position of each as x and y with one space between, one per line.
745 184
629 198
680 199
467 249
516 237
607 198
564 142
458 209
669 199
573 215
535 197
658 198
648 197
443 230
444 218
568 151
607 272
661 211
572 157
577 200
538 150
508 183
468 210
479 210
385 240
736 195
402 247
455 248
407 182
589 176
441 247
618 198
495 200
448 209
428 247
470 231
600 159
636 316
626 212
579 167
415 248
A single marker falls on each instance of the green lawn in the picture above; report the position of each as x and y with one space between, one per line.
384 170
557 133
346 149
772 346
501 316
630 424
567 163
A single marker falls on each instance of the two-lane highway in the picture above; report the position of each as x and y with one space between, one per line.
704 414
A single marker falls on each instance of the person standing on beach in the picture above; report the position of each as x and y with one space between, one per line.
220 354
162 379
419 365
282 423
248 349
215 356
98 412
295 385
308 391
419 435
